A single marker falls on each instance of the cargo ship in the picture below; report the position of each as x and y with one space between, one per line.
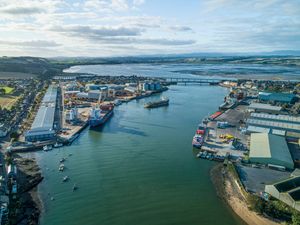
198 139
162 102
99 115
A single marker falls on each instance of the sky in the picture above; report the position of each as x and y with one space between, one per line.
100 28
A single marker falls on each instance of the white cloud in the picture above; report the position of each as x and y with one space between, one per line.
138 2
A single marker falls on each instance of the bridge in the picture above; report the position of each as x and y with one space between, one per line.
211 81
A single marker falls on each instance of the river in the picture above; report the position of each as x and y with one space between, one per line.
191 70
139 169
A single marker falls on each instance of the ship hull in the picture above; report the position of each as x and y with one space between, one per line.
100 121
156 104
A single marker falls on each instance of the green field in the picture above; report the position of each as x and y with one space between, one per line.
8 90
8 101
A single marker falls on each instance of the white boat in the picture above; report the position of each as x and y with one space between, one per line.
62 160
61 167
57 145
65 179
47 148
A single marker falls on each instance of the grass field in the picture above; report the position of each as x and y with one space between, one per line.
16 75
8 101
8 90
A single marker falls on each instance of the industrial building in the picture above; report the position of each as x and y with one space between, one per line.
42 128
275 122
265 108
277 97
287 191
150 86
270 149
279 118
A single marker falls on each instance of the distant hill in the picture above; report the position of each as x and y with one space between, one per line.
30 65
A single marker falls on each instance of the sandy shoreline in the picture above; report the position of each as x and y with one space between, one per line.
229 191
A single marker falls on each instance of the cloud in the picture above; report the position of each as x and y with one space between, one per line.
33 43
180 28
94 32
21 10
146 41
138 2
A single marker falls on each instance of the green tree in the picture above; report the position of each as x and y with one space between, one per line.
2 91
296 218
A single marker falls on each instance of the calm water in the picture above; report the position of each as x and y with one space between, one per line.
139 169
223 70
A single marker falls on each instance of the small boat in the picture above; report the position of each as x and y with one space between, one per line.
65 179
57 145
62 160
117 102
47 148
61 167
70 154
74 187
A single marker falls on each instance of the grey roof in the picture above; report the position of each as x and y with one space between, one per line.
264 106
282 118
44 118
269 146
50 95
274 124
254 129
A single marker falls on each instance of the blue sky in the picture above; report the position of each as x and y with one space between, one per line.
133 27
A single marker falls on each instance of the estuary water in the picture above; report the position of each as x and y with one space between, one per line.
205 70
139 169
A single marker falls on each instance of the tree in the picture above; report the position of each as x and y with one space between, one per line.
296 218
2 91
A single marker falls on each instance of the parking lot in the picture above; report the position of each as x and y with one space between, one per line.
255 179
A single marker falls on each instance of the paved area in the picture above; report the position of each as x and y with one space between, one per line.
215 141
255 179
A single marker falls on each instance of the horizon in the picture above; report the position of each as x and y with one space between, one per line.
124 28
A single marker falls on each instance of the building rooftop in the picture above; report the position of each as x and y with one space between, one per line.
281 97
263 145
274 124
44 118
283 118
50 95
254 129
264 107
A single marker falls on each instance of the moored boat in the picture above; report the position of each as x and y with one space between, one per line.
47 148
99 115
65 179
162 102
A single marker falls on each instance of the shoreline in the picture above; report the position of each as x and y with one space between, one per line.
29 177
229 192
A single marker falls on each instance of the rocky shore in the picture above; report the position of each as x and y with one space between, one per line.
228 190
26 207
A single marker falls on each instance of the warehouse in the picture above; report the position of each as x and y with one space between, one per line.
278 118
277 97
285 126
265 108
42 126
270 149
286 191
